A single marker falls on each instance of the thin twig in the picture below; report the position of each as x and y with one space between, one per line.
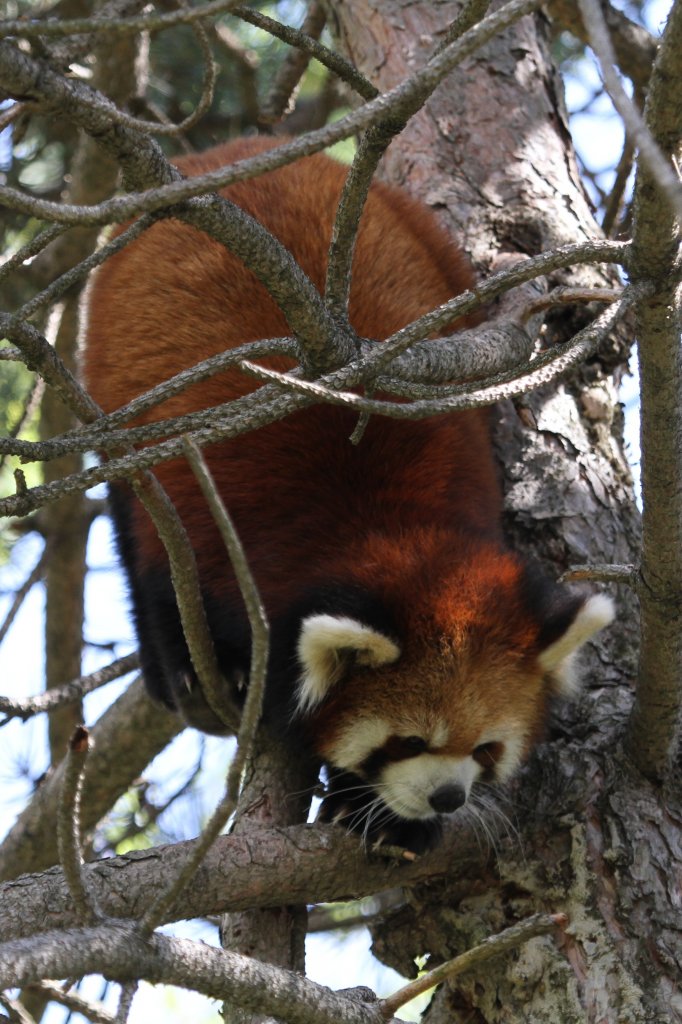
187 587
69 693
31 249
68 827
19 597
74 1002
17 1012
205 99
66 280
614 201
254 699
627 574
545 369
398 103
562 296
649 151
346 71
510 938
290 72
32 27
125 1001
40 356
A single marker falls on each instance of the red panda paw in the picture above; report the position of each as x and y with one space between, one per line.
355 805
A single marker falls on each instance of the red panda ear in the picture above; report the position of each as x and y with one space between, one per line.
325 645
557 658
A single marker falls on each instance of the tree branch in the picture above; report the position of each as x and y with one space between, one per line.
69 693
261 867
650 152
119 953
652 729
260 644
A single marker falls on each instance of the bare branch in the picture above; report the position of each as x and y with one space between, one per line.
260 867
17 1012
346 71
36 27
561 296
118 951
254 698
91 111
627 574
372 147
205 99
68 827
31 249
650 152
69 693
510 938
66 280
545 369
292 69
40 356
520 272
187 588
635 48
19 597
125 1002
470 14
74 1002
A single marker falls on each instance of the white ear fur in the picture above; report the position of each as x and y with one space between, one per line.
597 611
321 645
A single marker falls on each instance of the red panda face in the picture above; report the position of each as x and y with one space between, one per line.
454 712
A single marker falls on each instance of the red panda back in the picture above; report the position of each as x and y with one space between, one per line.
179 297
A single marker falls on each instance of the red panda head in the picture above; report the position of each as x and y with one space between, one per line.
455 692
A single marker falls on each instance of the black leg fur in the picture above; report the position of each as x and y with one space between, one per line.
352 803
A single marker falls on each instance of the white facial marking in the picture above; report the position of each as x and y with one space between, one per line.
597 611
512 744
439 735
354 745
323 640
407 785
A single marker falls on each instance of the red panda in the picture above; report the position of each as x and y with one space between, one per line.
412 653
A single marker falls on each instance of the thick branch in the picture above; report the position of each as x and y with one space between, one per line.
655 251
119 954
261 867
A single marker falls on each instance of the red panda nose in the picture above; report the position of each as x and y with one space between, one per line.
447 798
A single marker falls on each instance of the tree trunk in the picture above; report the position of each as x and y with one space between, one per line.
584 833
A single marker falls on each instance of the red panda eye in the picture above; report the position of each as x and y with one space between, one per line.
488 754
415 744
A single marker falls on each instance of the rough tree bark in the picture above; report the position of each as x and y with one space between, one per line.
589 835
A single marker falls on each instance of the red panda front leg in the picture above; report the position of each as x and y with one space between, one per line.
354 804
165 660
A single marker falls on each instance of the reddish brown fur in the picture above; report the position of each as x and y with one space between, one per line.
398 536
175 297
